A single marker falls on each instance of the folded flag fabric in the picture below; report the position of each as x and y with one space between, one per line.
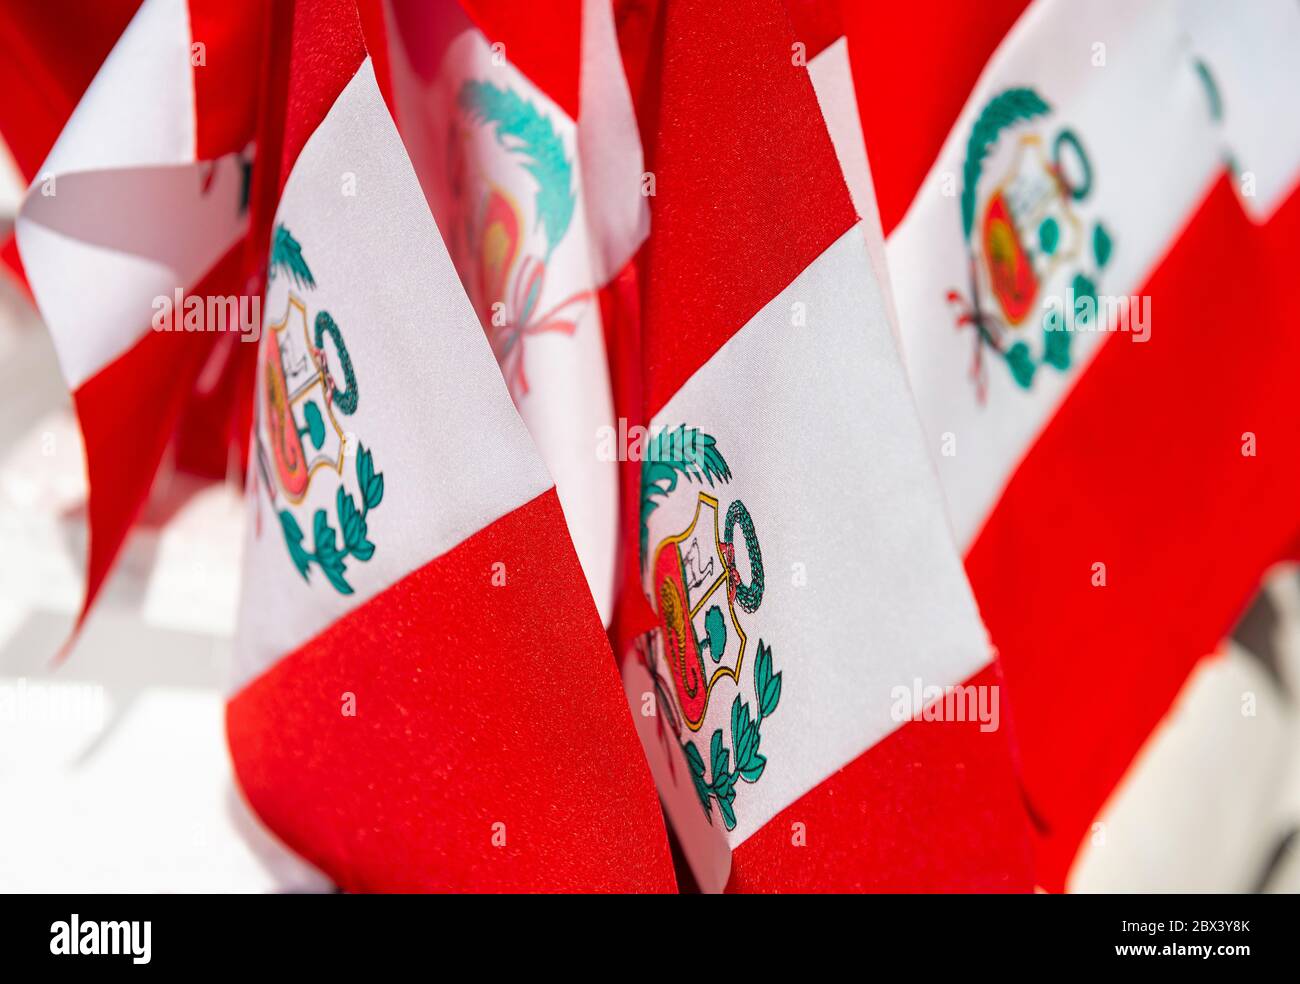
1088 265
142 200
798 582
45 70
428 699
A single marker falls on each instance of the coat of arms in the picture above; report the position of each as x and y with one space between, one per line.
703 599
1027 241
300 396
514 200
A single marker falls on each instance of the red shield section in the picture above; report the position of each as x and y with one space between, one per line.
282 429
1011 272
680 649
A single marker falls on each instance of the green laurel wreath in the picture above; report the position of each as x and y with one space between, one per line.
345 399
326 553
745 737
748 596
535 139
685 451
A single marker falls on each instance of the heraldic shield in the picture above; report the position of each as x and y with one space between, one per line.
699 594
299 399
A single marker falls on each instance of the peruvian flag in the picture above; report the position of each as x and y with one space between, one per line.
143 195
802 653
427 698
520 126
1093 221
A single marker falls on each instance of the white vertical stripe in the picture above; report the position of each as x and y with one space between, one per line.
1253 55
832 80
566 402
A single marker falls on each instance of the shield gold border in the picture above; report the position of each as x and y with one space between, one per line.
721 671
336 465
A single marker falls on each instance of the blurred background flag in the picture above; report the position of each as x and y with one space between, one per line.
45 70
143 194
1056 172
519 124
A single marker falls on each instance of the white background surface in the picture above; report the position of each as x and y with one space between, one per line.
135 795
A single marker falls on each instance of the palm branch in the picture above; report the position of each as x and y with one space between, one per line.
686 452
535 139
286 256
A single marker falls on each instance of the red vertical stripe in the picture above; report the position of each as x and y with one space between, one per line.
374 28
46 65
542 40
326 50
817 23
239 101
